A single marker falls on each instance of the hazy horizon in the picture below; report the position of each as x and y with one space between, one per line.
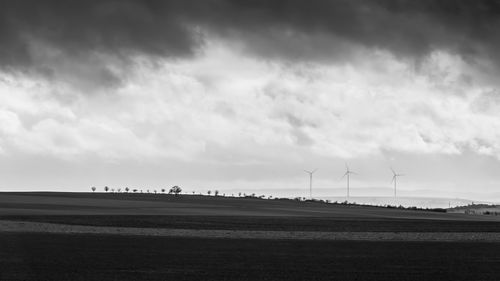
325 193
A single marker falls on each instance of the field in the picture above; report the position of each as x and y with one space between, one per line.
84 236
91 257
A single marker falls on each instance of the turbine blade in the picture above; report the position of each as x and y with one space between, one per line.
344 175
314 171
393 171
393 178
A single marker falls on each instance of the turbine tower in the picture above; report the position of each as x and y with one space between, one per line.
310 180
394 179
348 173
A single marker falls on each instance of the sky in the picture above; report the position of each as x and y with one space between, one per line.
242 96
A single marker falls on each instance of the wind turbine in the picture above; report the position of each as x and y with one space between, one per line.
310 180
348 173
394 179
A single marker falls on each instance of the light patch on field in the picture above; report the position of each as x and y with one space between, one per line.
13 226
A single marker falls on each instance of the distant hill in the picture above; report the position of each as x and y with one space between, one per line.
420 202
116 204
477 209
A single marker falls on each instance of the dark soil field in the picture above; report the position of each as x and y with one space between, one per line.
103 257
203 212
269 223
39 255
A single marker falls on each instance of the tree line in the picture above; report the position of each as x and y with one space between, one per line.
176 190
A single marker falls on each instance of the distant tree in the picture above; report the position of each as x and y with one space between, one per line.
106 188
155 191
119 190
239 194
193 192
127 189
147 191
175 190
216 193
93 188
112 190
135 190
163 190
209 192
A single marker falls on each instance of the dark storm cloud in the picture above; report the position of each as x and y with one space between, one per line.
75 27
88 44
322 29
294 29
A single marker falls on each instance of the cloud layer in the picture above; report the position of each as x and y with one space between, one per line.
94 40
260 84
319 28
221 104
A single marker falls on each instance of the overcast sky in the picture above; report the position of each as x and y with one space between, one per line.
244 95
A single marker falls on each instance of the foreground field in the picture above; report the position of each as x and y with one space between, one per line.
69 236
104 257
